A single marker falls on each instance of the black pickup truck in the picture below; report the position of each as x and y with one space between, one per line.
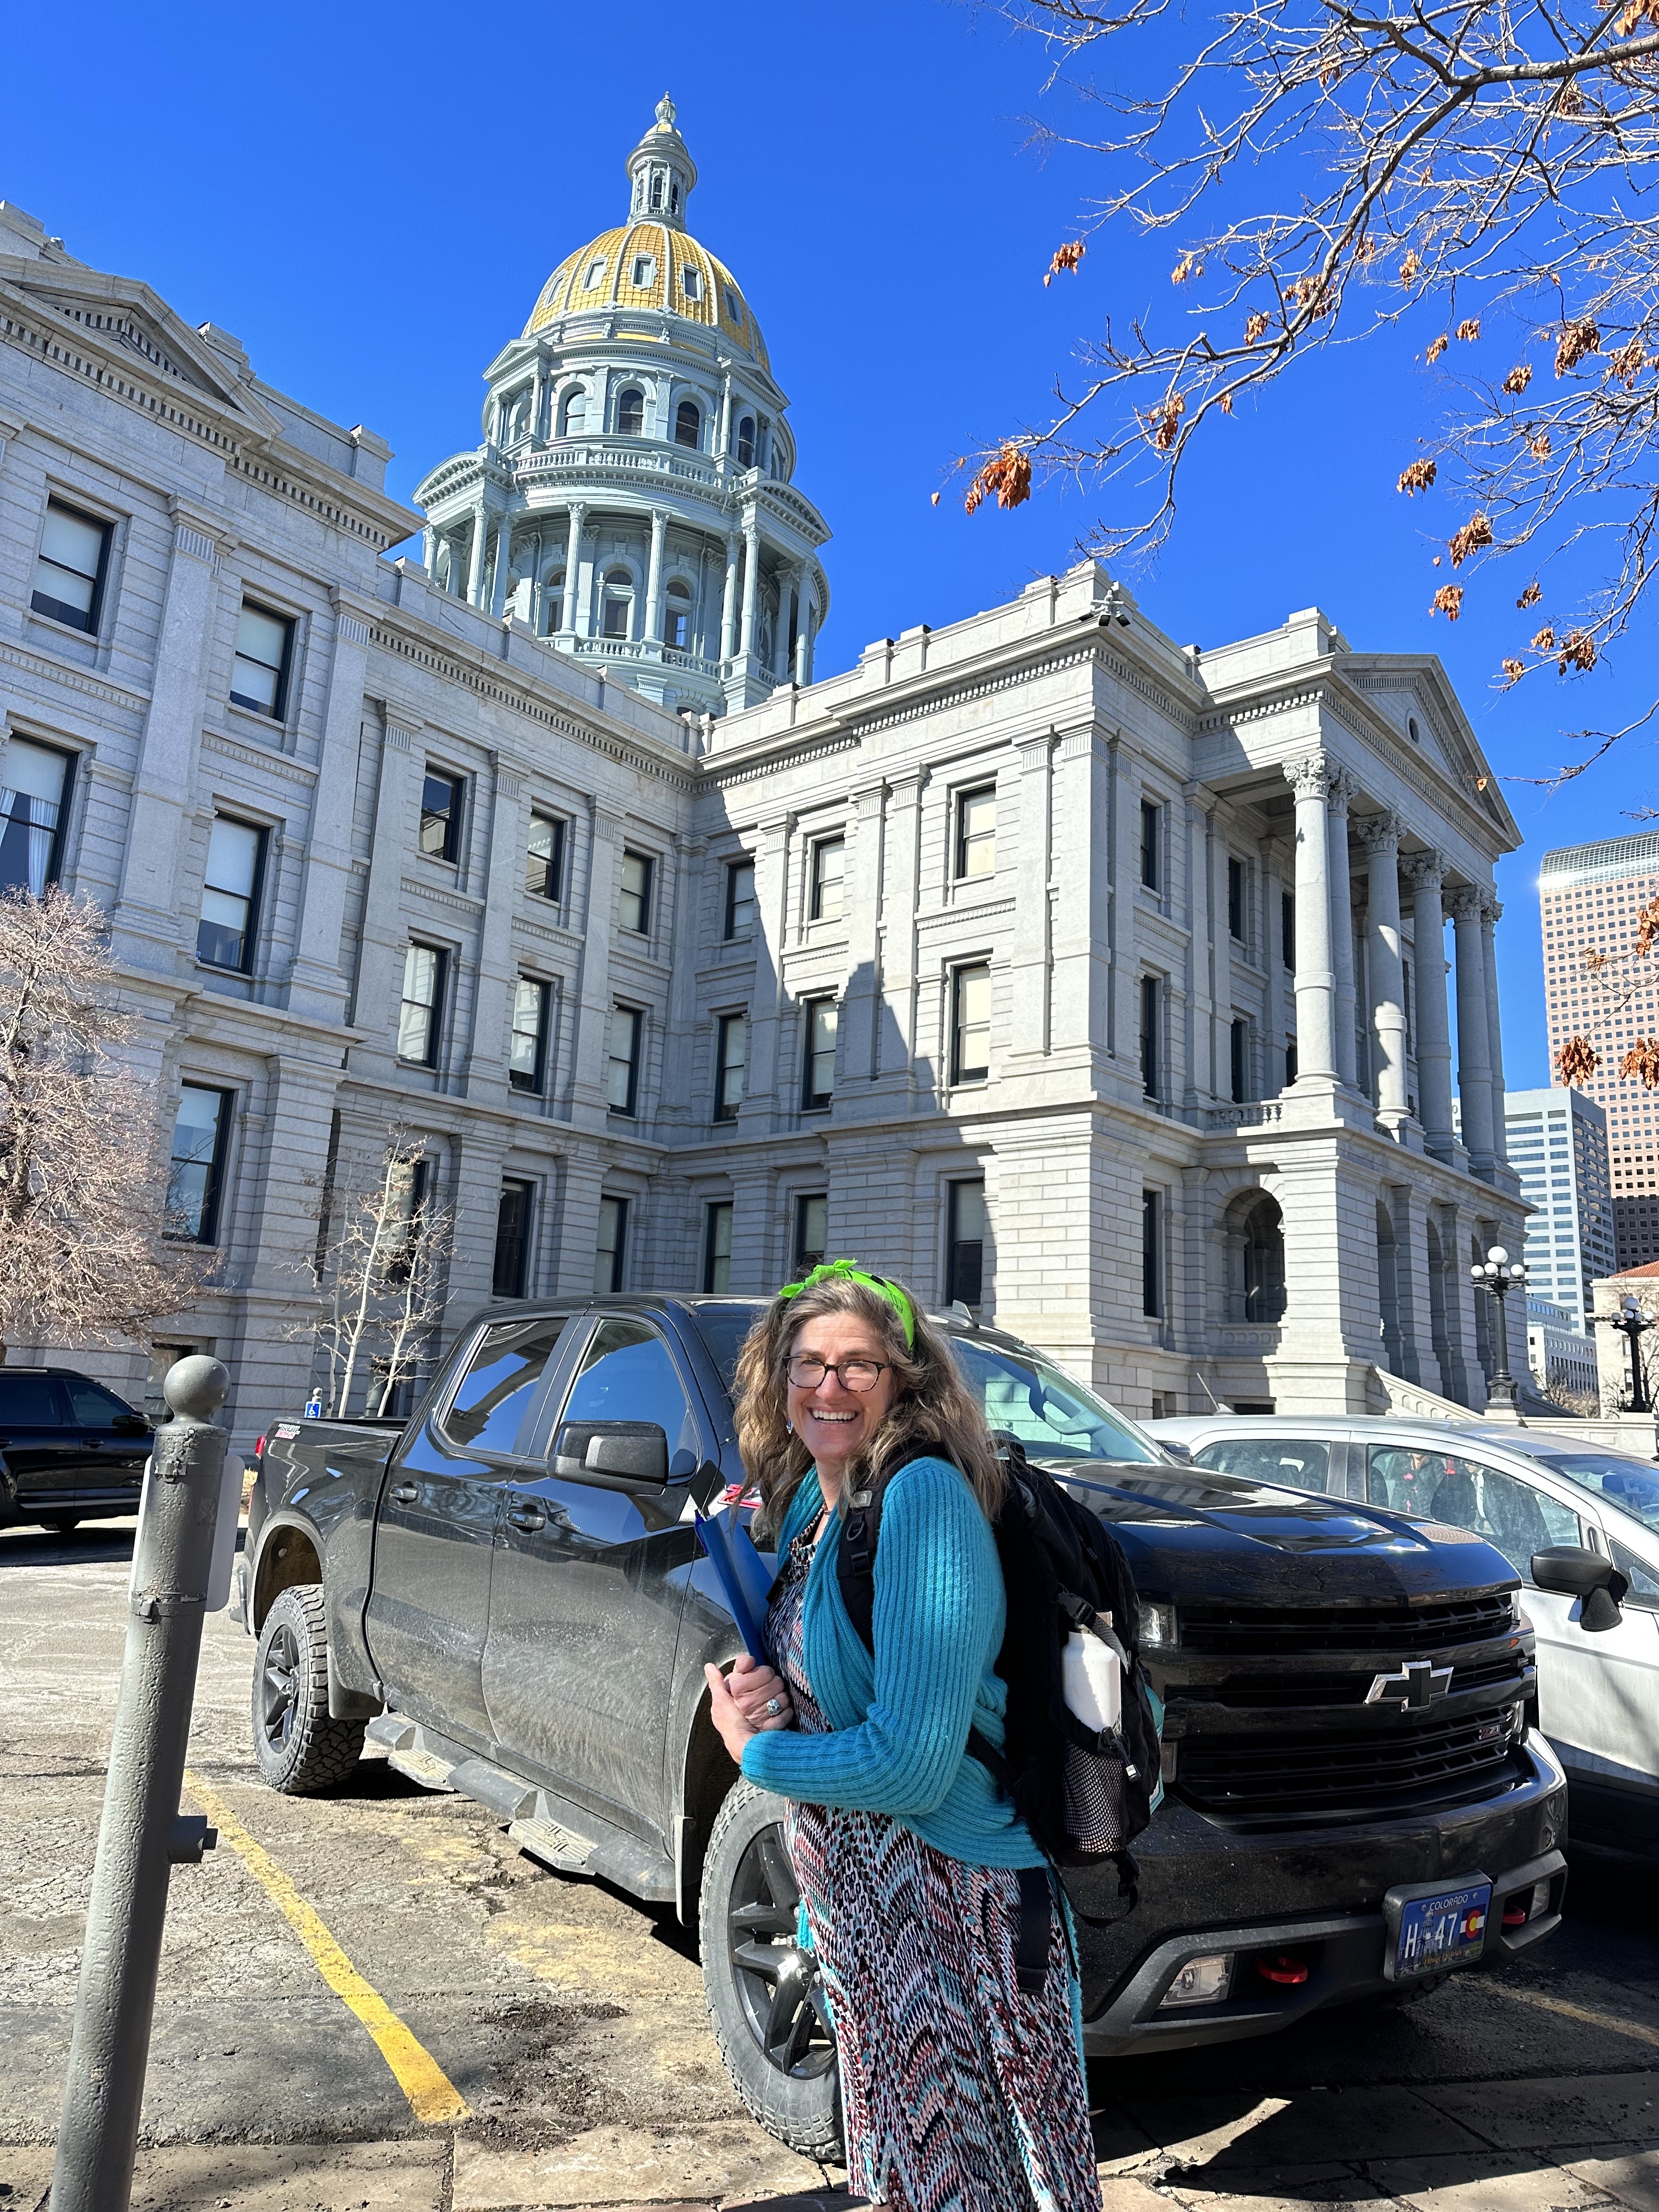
507 1594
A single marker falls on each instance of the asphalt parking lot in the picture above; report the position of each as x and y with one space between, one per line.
566 2023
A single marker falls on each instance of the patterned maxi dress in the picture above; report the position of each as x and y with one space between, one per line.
960 2094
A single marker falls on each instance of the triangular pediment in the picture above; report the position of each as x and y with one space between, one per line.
128 322
1413 695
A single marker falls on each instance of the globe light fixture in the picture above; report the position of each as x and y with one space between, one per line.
1498 1275
1630 1322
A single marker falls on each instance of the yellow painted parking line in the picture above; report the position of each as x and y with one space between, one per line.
432 2095
1609 2021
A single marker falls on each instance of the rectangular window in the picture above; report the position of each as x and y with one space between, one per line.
441 816
422 1000
829 864
622 1072
976 834
739 899
527 1064
964 1258
1287 928
819 1076
717 1247
1150 1055
1236 900
1240 1040
732 1050
201 1130
230 894
259 673
69 575
34 783
811 1233
612 1253
512 1239
636 874
970 1025
543 872
1290 1061
1150 873
1151 1253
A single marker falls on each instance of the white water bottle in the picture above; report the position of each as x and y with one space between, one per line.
1093 1680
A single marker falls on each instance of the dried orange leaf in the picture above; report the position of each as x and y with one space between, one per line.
1576 1062
1641 1063
1418 476
1531 596
1437 346
1469 329
1254 327
1518 379
1578 651
1475 534
1448 601
1575 341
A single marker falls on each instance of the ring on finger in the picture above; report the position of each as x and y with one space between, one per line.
774 1706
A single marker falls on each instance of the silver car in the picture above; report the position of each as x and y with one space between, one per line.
1538 1495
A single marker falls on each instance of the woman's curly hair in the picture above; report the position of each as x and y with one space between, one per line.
933 1409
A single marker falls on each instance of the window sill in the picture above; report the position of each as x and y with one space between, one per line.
87 641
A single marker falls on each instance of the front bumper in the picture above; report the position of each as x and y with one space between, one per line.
1343 1951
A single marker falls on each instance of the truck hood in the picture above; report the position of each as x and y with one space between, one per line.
1191 1533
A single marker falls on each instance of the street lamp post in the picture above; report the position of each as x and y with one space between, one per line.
1498 1275
1629 1320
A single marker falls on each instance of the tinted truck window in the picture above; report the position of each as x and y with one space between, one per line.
493 1395
1296 1462
627 1375
30 1402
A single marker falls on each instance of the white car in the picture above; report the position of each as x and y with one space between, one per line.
1532 1493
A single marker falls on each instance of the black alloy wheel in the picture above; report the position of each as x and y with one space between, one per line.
767 2002
777 1978
279 1689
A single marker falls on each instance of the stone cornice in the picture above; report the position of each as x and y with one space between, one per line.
84 680
262 761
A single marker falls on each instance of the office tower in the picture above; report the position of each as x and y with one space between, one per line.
1589 897
1557 1143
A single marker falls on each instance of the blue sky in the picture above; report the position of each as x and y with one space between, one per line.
371 198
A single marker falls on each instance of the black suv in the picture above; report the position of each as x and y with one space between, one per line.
69 1449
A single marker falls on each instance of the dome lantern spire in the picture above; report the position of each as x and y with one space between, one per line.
661 172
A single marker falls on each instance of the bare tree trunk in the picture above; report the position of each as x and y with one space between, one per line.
361 1321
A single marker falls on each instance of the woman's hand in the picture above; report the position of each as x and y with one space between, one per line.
749 1701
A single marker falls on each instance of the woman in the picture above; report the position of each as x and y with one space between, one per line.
961 2093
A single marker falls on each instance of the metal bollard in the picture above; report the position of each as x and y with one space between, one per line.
142 1835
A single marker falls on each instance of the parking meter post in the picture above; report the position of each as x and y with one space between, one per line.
142 1835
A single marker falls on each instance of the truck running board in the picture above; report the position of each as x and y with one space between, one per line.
565 1836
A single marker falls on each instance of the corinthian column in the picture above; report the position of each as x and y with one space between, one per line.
1380 833
1424 873
1315 981
570 608
1473 1029
1340 793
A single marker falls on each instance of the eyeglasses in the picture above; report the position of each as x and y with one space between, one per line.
860 1375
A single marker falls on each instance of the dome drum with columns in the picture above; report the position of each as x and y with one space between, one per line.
632 498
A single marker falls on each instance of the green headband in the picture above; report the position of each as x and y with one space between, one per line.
848 1271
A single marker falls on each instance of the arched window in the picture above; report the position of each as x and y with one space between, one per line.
676 623
630 412
687 424
747 442
656 188
573 413
618 604
1255 1258
553 602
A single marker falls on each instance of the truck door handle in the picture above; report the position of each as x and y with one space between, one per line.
526 1516
404 1493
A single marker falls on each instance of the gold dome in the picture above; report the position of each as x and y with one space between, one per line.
602 275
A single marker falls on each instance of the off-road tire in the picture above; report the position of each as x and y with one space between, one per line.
748 1922
300 1749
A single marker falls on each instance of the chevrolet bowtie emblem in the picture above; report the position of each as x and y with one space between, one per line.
1412 1686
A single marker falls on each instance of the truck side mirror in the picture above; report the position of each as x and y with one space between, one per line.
615 1455
1571 1571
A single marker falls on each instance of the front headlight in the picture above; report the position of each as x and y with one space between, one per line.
1158 1627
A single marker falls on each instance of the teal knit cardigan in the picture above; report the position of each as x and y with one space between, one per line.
899 1721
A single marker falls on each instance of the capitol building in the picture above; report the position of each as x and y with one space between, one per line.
1117 989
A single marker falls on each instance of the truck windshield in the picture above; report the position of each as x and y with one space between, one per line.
1053 1417
1623 1482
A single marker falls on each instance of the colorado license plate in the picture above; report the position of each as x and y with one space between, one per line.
1446 1930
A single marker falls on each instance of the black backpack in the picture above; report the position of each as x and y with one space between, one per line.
1084 1797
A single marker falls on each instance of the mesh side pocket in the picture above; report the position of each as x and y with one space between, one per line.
1095 1796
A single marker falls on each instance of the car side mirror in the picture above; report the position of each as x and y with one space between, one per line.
613 1455
129 1425
1171 1449
1571 1572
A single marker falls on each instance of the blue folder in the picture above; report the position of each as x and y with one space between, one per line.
744 1576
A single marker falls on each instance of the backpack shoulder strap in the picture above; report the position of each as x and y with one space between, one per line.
855 1552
